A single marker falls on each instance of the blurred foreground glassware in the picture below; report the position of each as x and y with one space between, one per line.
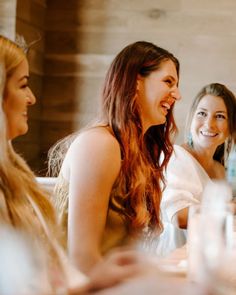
231 170
210 233
23 269
223 278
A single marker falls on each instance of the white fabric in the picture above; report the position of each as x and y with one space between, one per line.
48 183
185 181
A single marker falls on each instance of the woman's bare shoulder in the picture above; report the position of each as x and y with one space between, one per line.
95 154
97 147
95 137
97 144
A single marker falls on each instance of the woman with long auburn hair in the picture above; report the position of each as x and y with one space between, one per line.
109 187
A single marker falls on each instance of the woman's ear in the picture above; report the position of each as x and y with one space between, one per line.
139 82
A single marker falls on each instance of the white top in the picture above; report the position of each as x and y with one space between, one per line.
185 182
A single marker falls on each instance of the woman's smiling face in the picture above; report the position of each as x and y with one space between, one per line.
210 127
17 98
157 93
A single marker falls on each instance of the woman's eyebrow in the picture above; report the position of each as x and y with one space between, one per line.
221 112
173 78
24 77
204 109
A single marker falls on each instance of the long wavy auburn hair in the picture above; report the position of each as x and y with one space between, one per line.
18 185
219 90
144 156
142 166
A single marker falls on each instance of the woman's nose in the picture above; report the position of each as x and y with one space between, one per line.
176 94
31 97
209 122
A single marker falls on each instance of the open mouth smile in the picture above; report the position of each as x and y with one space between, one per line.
209 134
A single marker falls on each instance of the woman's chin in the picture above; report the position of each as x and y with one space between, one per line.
161 121
18 132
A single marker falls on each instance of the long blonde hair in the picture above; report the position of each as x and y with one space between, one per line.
18 185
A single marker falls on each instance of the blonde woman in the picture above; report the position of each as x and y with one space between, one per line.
24 206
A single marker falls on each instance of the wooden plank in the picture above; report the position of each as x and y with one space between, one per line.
34 36
31 12
102 43
210 5
69 94
114 4
89 65
151 20
41 2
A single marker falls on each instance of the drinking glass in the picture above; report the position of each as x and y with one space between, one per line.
210 237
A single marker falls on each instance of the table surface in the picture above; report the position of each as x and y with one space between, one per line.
171 280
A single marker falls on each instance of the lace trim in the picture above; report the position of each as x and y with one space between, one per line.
60 200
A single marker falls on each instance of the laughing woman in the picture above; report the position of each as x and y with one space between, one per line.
109 189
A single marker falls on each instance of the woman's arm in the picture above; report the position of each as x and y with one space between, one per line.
185 180
182 218
94 163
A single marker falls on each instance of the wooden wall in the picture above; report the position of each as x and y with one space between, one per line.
30 24
82 37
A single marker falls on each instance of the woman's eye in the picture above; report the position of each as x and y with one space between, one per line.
220 116
201 114
24 86
169 82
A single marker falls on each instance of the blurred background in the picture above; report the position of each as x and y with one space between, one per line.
77 39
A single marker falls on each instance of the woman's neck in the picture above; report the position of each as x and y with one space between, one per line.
205 158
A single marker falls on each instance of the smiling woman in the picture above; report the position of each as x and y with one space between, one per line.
17 98
209 129
26 214
109 188
211 132
155 99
